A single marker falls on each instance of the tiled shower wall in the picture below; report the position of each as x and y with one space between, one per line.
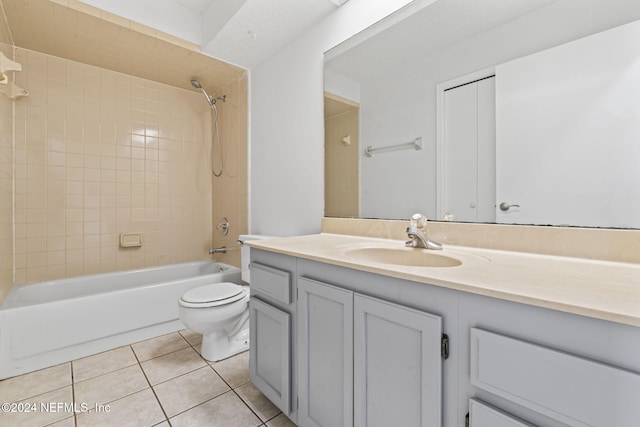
100 153
6 183
230 191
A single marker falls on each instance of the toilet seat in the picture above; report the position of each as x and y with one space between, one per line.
213 295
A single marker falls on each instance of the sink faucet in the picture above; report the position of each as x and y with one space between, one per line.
417 232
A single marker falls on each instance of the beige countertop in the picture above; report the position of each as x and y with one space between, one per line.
600 289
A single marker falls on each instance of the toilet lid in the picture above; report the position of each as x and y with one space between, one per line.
219 293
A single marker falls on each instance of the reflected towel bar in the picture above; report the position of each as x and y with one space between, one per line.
417 144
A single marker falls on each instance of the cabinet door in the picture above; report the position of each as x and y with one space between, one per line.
325 355
270 353
397 365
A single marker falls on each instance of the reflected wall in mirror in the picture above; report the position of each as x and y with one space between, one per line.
341 142
556 143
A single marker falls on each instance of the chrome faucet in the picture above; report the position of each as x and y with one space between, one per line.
222 250
417 232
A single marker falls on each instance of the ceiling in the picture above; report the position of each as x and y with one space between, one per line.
241 32
168 41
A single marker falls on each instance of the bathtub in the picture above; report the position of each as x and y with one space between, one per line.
47 323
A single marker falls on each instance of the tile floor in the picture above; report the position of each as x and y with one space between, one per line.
159 382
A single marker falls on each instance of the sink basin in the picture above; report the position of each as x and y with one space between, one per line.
402 256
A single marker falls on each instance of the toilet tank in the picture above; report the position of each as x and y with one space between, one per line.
244 253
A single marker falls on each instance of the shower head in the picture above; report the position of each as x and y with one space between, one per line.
197 85
211 101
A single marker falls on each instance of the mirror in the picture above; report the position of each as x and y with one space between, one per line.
555 146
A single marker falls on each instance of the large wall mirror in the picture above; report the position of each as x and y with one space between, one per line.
517 112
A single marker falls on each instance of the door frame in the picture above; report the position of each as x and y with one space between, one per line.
440 134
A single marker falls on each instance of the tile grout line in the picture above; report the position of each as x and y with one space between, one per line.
262 422
166 418
73 394
231 389
138 363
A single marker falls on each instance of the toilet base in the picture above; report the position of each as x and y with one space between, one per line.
218 345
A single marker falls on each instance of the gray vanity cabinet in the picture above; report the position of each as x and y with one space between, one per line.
533 366
364 361
333 346
272 309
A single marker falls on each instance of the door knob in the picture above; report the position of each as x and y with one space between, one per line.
504 206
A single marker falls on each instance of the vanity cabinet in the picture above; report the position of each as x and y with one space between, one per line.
543 367
344 347
272 328
364 361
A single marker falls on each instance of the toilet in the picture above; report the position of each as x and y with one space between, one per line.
220 312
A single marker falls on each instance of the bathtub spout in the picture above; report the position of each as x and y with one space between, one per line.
222 250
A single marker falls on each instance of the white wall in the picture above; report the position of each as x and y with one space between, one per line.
287 124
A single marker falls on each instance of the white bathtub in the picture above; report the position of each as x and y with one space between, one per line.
44 324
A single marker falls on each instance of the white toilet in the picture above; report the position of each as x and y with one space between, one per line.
220 312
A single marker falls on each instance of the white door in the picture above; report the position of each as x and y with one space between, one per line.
468 170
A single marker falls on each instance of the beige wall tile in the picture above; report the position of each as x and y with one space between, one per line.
6 180
230 190
109 153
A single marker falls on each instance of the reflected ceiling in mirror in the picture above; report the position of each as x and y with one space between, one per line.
404 78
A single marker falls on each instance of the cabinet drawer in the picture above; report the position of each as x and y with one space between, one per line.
564 387
483 415
272 282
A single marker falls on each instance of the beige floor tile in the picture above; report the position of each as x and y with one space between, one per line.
43 410
257 401
140 409
189 390
194 338
234 370
35 383
109 387
223 411
67 422
171 365
280 421
102 363
159 346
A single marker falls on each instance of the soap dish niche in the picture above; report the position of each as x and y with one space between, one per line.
130 240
